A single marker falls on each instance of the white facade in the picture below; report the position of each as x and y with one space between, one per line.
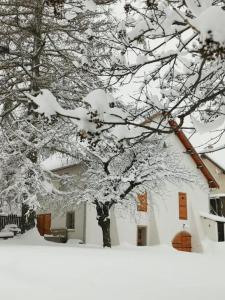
212 228
161 221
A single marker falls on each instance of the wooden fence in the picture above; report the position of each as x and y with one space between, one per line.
10 219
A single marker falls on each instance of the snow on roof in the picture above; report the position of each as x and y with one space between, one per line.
212 195
218 157
3 214
212 217
204 143
57 161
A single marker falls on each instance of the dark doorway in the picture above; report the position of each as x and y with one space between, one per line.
70 220
220 226
141 236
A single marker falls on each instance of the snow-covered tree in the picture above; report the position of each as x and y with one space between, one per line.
43 50
117 173
52 55
171 54
44 44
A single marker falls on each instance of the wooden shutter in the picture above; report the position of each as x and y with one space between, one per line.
183 206
40 224
47 224
142 202
44 223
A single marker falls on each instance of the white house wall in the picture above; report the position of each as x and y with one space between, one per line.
210 229
166 213
166 208
93 231
218 174
162 220
58 221
125 226
78 231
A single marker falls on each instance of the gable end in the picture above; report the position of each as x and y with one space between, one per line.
194 155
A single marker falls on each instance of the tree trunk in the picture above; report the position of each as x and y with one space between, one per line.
103 218
105 225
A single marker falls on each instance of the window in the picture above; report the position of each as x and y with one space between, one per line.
70 220
142 202
220 229
217 206
183 206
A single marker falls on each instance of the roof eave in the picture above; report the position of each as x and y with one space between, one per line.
195 156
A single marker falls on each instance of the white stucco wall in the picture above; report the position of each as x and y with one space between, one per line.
210 229
93 231
166 211
59 221
166 206
123 226
218 174
161 220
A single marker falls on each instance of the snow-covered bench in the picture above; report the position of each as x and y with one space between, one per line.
58 235
6 234
12 228
9 231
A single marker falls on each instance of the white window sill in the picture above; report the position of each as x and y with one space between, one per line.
71 230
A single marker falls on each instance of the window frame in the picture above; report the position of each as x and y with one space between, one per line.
71 221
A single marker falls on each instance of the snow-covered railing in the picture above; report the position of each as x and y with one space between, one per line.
9 219
212 217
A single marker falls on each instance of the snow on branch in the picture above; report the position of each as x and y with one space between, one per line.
97 113
96 109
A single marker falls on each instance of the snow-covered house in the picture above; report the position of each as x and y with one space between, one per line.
215 220
171 216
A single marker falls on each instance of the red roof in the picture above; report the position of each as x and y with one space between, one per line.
195 156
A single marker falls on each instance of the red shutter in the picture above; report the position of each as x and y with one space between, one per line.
142 202
183 206
44 223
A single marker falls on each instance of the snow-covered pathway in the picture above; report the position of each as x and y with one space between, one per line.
65 272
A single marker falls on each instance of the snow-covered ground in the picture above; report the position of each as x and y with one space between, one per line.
31 268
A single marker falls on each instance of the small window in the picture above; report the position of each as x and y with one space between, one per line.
70 220
142 202
183 206
217 206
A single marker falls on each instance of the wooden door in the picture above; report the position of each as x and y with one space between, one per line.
182 241
44 223
141 236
